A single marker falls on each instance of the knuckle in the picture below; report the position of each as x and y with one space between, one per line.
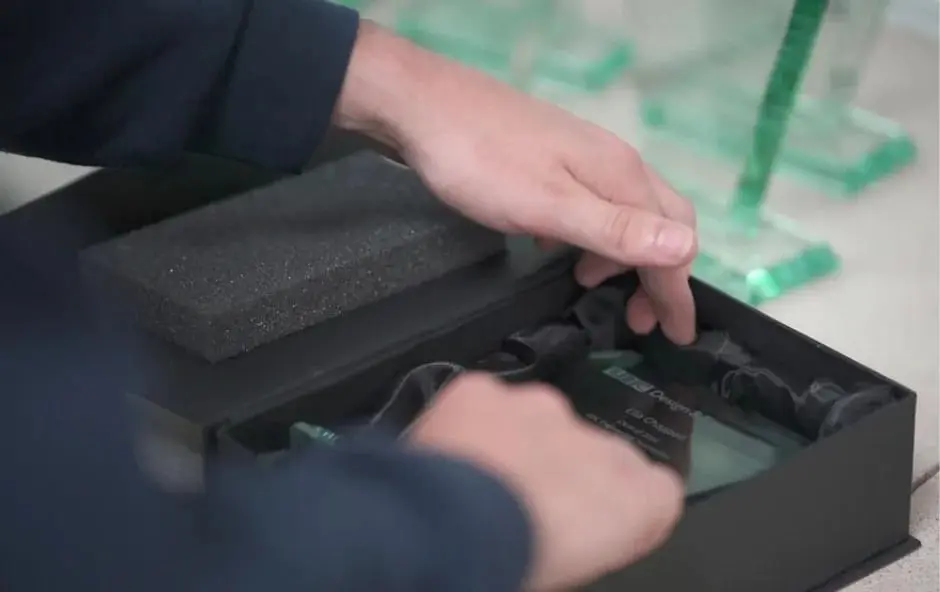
628 155
621 231
631 156
538 212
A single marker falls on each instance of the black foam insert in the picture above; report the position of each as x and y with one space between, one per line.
237 274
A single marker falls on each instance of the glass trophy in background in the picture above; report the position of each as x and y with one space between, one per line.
720 152
829 141
583 46
533 44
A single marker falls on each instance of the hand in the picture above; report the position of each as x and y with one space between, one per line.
595 502
520 165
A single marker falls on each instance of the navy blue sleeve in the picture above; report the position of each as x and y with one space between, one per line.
141 82
78 513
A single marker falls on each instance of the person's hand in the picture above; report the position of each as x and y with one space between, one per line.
520 165
595 502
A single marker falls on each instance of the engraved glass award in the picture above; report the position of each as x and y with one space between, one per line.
709 441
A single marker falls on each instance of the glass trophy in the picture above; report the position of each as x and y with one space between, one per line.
529 43
684 79
584 45
829 140
710 442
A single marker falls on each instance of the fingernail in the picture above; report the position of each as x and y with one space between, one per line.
675 242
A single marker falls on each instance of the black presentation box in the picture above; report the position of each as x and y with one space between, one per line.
829 515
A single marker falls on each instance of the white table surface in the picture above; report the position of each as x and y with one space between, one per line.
881 309
919 572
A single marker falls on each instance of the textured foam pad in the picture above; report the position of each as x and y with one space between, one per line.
234 275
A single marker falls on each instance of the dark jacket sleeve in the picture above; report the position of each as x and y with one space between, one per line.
136 82
78 513
139 82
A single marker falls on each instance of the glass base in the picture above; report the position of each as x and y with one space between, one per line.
837 147
493 39
755 258
577 55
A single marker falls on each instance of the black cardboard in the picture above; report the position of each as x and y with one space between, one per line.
829 516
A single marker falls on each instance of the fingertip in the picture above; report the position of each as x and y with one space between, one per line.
680 334
584 273
669 491
672 489
676 244
661 493
679 322
674 306
640 316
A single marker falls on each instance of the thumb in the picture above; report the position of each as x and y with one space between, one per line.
623 233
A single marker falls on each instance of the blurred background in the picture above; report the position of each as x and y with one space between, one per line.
805 131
